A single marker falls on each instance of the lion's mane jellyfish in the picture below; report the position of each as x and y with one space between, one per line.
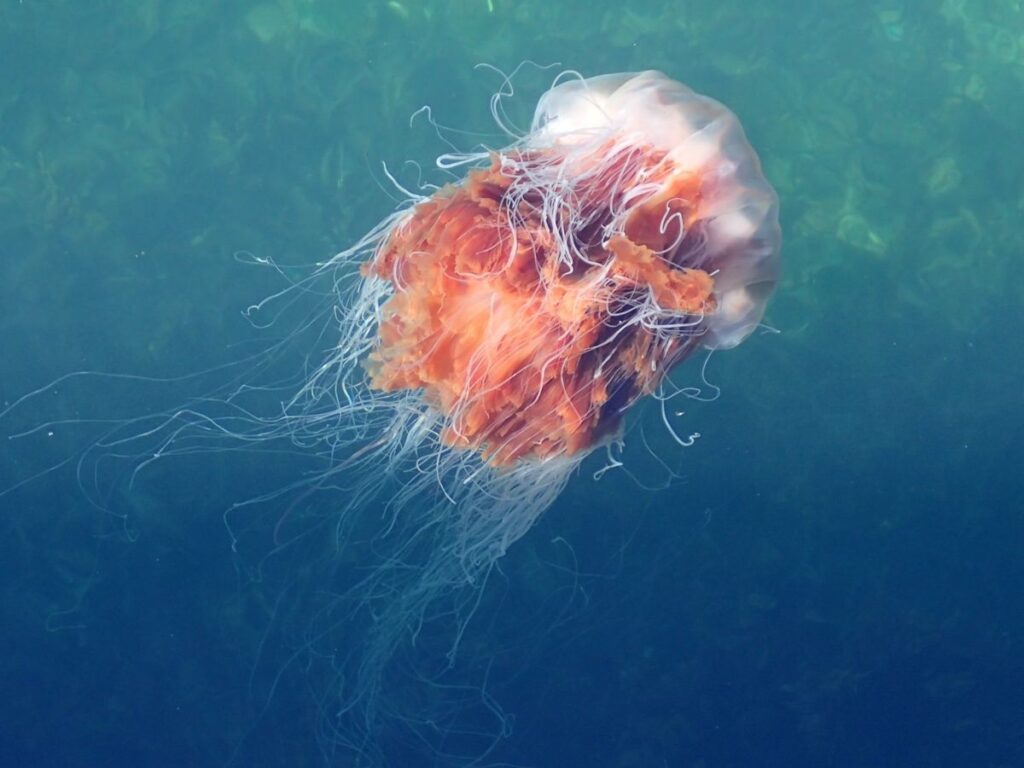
467 354
497 331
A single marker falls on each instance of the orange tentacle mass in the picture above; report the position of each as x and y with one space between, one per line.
526 349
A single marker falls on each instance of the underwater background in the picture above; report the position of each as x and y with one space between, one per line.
832 578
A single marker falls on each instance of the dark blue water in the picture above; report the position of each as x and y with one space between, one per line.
834 577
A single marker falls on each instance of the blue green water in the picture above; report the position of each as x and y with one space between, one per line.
834 578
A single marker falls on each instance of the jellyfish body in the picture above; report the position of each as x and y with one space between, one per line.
485 339
494 333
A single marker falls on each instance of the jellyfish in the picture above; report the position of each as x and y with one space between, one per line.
496 332
482 341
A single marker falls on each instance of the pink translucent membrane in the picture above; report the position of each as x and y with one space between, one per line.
734 233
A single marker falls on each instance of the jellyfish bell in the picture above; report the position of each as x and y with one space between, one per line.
735 208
